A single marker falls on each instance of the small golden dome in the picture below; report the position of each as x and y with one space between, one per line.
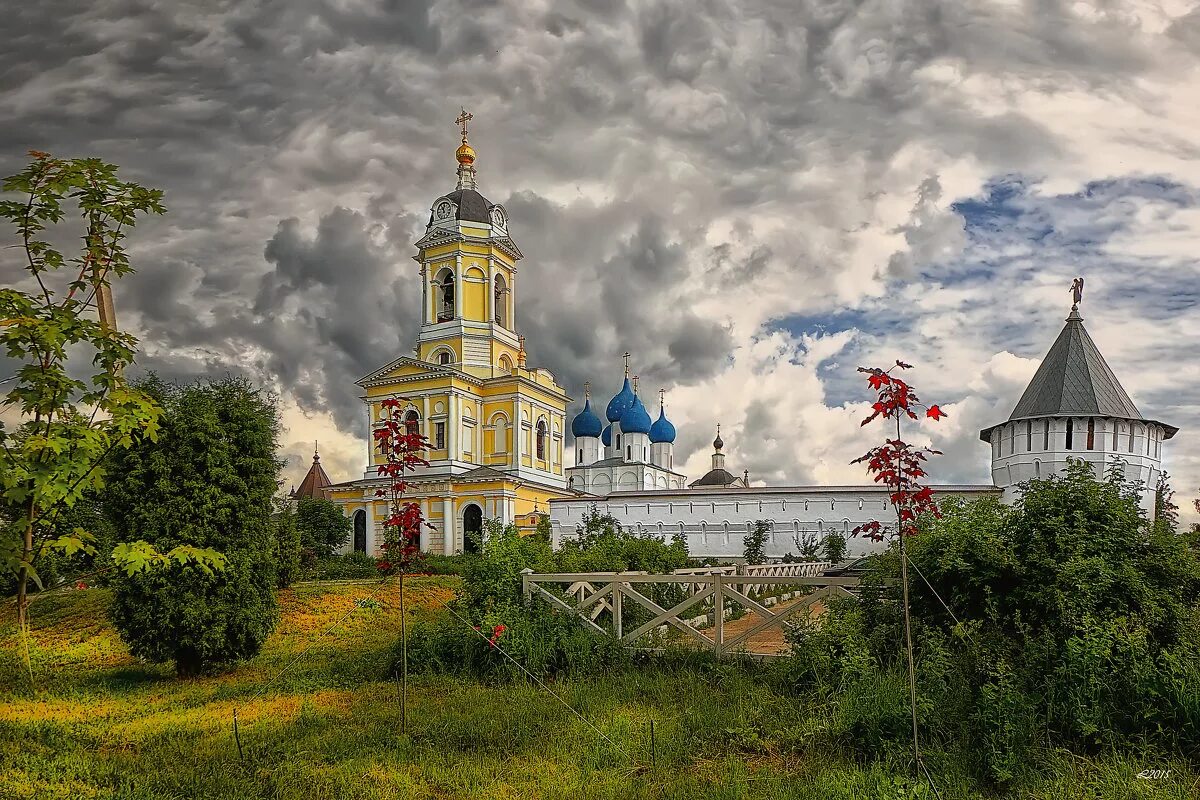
465 153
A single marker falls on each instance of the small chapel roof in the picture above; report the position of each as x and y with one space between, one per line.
315 482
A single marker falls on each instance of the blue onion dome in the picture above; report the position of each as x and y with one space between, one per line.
586 423
635 420
606 436
622 402
662 431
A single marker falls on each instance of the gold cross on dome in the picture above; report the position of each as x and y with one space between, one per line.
587 388
627 354
662 396
462 121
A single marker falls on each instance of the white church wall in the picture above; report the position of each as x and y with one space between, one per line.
715 522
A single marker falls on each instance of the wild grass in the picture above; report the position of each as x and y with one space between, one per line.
96 723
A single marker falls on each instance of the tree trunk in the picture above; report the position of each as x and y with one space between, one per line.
23 575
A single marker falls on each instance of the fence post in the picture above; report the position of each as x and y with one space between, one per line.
526 588
718 613
617 595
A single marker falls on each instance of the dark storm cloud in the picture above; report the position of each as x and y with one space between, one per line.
668 165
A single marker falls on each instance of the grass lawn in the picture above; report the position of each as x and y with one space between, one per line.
97 723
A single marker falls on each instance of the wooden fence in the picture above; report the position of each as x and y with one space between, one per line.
704 599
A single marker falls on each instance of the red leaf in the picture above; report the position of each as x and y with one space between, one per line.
935 412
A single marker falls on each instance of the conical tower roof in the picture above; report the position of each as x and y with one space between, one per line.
314 482
1074 380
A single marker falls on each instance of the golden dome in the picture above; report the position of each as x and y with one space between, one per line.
465 153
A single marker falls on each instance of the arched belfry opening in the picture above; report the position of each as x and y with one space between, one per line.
360 531
445 309
472 528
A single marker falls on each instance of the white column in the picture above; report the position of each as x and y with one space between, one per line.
453 423
491 290
425 294
479 432
426 425
370 436
424 527
448 526
516 435
458 286
510 510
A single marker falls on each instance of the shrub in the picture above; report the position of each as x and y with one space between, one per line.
1074 623
322 525
541 639
288 552
755 541
208 481
348 566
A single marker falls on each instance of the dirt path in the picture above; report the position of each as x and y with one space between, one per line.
769 640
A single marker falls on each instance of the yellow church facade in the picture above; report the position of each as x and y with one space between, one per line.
494 425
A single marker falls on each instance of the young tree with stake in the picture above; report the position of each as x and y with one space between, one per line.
899 466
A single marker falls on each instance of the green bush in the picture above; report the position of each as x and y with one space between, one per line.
349 566
288 551
322 525
541 639
1074 624
208 481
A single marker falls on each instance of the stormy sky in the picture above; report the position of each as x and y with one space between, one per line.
753 198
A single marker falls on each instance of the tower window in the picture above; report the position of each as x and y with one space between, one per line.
439 435
498 300
1070 433
1131 426
541 439
446 309
580 459
1028 436
1012 439
628 453
1116 428
1091 440
444 357
1046 435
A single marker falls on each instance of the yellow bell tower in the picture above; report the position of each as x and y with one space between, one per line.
495 426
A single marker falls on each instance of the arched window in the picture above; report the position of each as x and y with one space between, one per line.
579 460
541 439
1046 435
444 357
1070 433
1131 427
1028 436
628 453
506 365
1091 440
445 310
1037 469
1012 439
412 422
498 298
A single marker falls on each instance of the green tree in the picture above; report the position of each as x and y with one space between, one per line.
322 524
208 481
70 421
808 546
833 547
755 542
287 544
1067 619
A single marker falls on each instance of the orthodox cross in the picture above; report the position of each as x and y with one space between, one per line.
462 121
635 380
626 363
662 396
587 389
1077 290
